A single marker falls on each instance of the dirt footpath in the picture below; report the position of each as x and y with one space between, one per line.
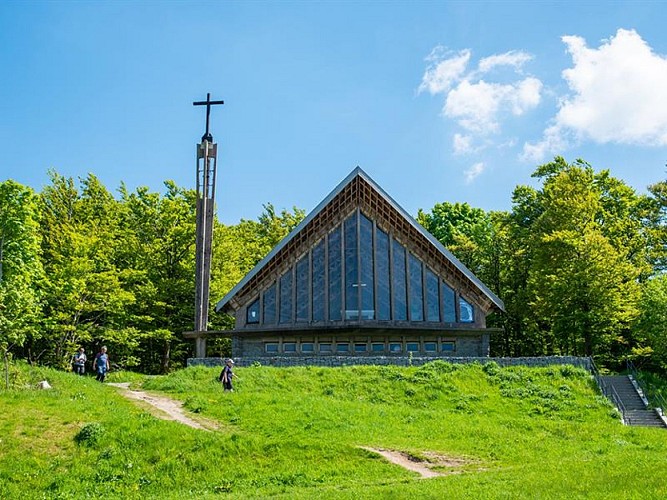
163 407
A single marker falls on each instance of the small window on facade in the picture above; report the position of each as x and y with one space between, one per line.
289 346
412 346
377 346
252 313
395 347
325 347
307 347
271 347
342 347
360 347
430 346
466 312
448 346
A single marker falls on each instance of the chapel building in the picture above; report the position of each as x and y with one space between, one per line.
359 277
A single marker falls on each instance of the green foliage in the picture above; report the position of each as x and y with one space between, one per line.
569 261
90 434
295 432
20 268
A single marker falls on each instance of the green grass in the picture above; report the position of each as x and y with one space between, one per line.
296 432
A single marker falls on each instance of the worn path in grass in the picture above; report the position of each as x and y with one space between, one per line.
163 407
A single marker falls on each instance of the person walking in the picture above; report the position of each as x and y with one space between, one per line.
101 364
79 361
227 375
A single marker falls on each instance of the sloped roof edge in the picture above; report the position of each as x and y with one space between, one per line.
358 171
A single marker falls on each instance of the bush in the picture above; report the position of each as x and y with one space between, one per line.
90 434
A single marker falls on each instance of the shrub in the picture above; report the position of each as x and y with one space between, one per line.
90 434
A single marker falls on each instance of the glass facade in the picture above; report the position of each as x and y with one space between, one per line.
302 289
383 305
286 297
416 290
398 283
335 276
358 272
318 281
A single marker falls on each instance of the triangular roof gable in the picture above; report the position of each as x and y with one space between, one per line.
356 189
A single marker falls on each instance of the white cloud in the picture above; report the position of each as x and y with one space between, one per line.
514 58
473 172
618 95
477 106
443 72
462 144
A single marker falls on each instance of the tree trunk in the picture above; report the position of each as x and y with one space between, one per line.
165 356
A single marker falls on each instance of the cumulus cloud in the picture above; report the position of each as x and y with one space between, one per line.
476 104
618 94
473 172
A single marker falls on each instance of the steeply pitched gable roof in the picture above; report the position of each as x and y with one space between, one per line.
357 186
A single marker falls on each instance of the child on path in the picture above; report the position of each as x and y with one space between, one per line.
227 374
101 364
79 361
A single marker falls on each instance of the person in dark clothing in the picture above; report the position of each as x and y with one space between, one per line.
227 375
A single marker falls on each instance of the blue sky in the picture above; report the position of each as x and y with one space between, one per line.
437 101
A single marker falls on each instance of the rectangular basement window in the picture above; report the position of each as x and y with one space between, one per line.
289 346
307 347
430 346
395 347
342 347
412 346
325 347
377 347
359 347
448 346
271 347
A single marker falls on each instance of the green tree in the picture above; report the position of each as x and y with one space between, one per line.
20 268
85 297
158 239
586 243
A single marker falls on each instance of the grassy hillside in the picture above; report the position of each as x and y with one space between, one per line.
296 432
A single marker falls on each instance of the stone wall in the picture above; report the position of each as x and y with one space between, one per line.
391 360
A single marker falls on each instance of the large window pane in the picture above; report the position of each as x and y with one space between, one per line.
448 304
302 272
383 311
416 290
270 306
351 269
286 297
318 282
335 278
399 288
366 284
432 296
466 312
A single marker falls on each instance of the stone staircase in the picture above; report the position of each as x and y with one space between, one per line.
633 406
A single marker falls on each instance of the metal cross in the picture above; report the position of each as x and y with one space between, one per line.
208 103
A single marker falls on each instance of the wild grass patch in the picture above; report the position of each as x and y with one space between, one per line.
295 432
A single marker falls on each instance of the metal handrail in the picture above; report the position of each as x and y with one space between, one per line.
657 397
610 393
